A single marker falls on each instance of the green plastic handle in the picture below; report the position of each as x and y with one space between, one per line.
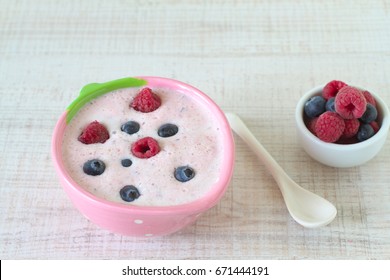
91 91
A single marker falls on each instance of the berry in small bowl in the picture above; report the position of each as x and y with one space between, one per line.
342 125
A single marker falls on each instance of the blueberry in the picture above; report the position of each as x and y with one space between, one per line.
94 167
329 106
370 114
184 173
129 193
315 106
126 162
167 130
130 127
365 131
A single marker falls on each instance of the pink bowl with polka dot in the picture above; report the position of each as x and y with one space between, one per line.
145 220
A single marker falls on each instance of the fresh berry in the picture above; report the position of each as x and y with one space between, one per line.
365 132
345 141
95 132
350 103
167 130
184 173
329 127
311 125
145 148
130 127
370 114
126 162
329 106
375 126
369 98
332 88
129 193
351 128
94 167
146 101
315 106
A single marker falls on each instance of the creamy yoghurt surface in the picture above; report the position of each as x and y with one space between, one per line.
196 145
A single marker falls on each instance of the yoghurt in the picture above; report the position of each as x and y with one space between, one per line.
197 144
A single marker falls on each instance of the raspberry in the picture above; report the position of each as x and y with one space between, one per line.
345 141
350 103
369 98
311 125
374 126
146 101
95 132
145 148
332 88
351 128
329 127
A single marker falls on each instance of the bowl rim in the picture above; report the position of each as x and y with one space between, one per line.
207 201
382 132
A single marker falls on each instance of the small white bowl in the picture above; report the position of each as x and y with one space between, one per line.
341 155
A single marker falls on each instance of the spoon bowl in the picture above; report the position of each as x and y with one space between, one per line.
305 207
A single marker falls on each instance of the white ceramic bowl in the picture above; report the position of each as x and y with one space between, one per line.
341 155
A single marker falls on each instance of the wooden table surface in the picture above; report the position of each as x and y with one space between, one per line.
255 58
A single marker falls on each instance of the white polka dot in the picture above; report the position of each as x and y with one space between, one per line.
149 234
138 222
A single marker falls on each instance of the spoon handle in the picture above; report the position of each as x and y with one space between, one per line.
307 208
242 130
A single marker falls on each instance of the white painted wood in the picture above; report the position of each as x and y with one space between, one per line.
254 58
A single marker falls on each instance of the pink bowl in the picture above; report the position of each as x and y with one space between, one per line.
144 220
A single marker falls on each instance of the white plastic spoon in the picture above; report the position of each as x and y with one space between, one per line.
306 208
